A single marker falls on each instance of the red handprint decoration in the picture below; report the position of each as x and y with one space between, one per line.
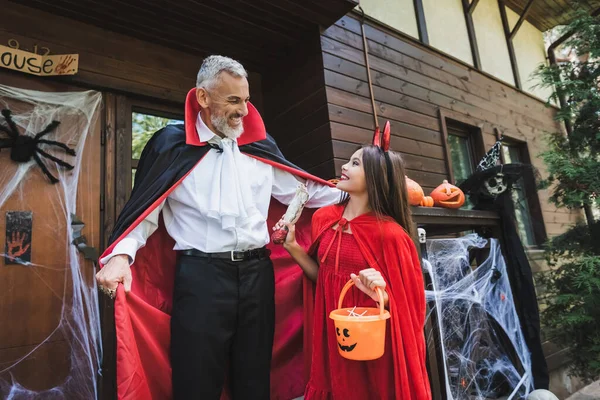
18 237
63 65
16 248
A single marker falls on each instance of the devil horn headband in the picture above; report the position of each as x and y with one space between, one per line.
382 142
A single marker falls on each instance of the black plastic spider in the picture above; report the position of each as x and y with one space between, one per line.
23 148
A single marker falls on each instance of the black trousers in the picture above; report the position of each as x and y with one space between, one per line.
222 324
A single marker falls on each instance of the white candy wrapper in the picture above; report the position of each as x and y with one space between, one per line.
292 213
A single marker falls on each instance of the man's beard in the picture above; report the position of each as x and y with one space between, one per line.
220 123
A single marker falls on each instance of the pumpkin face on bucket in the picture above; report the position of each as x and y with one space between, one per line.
344 339
448 196
360 331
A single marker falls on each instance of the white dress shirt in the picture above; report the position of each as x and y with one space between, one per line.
223 204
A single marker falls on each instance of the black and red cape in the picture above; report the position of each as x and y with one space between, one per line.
142 317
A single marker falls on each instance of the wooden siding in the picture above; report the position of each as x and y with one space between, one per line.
411 84
296 110
108 60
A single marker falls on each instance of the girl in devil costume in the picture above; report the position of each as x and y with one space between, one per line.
367 238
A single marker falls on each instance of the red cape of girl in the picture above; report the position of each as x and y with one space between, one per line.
388 248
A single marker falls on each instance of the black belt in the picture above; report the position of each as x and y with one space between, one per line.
231 255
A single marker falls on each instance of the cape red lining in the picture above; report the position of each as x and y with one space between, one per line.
141 320
143 329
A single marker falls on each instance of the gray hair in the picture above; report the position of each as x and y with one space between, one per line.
211 68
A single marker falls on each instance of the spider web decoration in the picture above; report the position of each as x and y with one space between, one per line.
483 351
50 337
24 148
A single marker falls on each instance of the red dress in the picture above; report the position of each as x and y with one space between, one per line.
382 244
331 375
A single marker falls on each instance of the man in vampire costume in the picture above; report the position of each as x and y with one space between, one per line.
205 297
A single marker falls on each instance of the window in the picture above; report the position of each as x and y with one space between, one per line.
464 148
528 215
143 125
461 156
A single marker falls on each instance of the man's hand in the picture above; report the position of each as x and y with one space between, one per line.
116 271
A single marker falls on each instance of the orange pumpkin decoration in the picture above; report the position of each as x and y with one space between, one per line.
415 192
448 196
427 201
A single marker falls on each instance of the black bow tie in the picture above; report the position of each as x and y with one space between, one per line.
217 148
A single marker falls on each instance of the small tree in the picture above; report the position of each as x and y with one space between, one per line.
572 299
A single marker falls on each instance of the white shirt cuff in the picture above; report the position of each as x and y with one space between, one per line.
127 246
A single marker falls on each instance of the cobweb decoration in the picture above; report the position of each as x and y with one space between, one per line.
50 346
483 351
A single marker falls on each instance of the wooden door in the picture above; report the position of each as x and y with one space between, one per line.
48 308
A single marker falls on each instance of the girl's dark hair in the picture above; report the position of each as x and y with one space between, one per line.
383 200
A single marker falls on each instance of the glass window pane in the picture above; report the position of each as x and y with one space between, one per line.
143 127
512 154
462 160
506 154
523 214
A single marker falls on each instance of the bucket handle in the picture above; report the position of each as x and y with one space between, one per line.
349 284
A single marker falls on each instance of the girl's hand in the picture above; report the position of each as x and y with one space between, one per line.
282 234
369 279
290 239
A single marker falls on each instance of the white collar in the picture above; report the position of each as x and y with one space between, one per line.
204 132
230 196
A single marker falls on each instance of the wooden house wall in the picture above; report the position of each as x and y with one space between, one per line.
108 60
296 110
412 83
318 99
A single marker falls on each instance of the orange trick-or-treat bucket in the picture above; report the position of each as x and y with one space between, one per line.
360 331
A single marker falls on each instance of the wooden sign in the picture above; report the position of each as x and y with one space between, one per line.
37 64
17 248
